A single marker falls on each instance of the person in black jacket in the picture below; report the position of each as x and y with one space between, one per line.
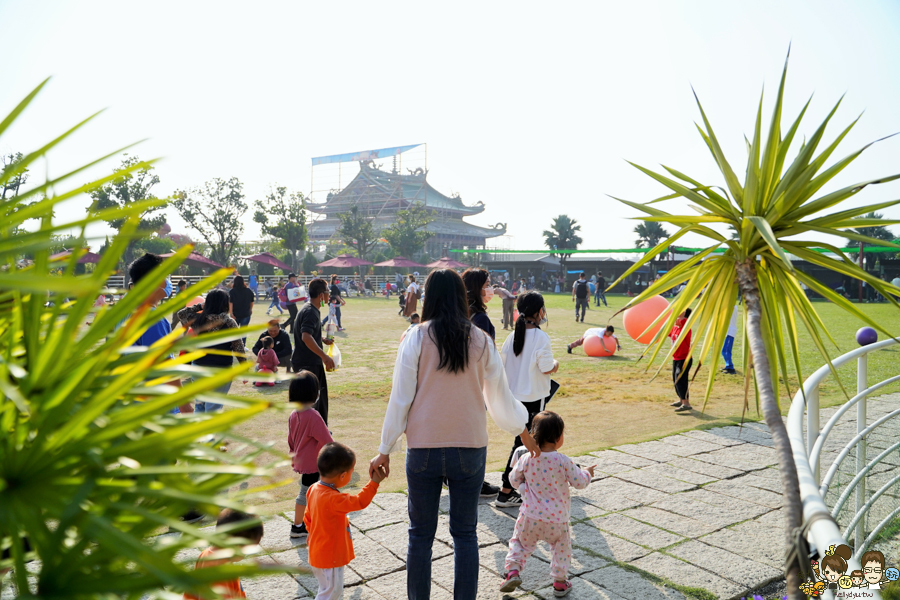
282 344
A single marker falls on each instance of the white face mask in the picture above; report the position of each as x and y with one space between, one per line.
487 293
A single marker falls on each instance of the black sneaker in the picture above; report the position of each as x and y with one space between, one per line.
488 490
299 531
510 500
569 349
192 516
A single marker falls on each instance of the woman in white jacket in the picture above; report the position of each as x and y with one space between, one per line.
528 361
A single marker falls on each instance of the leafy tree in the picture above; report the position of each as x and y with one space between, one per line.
309 263
17 176
132 184
650 234
358 231
878 232
92 464
155 245
563 234
772 207
215 211
407 235
283 216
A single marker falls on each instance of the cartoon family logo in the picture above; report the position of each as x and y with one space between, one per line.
834 574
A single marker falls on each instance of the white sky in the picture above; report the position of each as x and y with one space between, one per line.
531 108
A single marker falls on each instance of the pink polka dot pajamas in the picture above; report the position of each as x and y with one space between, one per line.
546 506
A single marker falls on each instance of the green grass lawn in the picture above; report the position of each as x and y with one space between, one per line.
605 402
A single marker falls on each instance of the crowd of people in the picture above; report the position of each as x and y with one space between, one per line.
450 345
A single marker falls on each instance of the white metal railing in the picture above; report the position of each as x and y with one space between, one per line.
118 281
807 453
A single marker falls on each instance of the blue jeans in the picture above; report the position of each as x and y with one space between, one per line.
243 323
276 303
337 316
425 470
599 295
206 407
726 352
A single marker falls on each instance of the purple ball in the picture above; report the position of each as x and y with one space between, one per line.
866 336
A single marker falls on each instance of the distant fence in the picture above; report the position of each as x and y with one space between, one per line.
117 282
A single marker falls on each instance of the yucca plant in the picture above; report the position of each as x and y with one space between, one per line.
777 202
91 461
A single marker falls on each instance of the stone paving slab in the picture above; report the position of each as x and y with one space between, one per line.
655 481
393 587
655 451
582 560
582 589
624 458
693 465
274 586
743 458
750 540
585 535
630 585
617 494
396 539
712 436
673 472
739 488
536 573
739 569
716 516
637 532
663 519
744 507
687 574
582 509
688 446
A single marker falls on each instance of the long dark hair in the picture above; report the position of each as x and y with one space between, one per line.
474 280
446 309
527 304
239 282
216 303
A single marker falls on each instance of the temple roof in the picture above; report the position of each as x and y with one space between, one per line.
372 185
325 228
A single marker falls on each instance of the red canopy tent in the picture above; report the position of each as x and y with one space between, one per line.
265 258
87 257
446 263
196 259
344 261
400 262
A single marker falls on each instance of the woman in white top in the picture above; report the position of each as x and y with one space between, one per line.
528 361
412 296
447 371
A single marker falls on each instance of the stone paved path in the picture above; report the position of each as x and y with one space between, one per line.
699 509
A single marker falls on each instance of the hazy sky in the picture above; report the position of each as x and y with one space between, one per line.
532 108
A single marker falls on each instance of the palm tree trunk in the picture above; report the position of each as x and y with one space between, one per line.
793 508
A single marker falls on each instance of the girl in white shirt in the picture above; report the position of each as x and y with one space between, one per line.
528 361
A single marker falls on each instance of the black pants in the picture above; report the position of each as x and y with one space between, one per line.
285 361
319 371
292 311
583 304
533 409
682 380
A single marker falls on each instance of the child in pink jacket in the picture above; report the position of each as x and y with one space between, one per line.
544 484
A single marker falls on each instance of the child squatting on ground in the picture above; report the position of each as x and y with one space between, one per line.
307 435
544 484
253 533
329 542
266 361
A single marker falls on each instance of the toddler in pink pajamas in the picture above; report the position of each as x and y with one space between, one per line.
544 484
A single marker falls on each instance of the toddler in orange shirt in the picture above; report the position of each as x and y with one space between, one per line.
329 543
253 533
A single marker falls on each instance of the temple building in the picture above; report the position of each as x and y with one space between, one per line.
380 194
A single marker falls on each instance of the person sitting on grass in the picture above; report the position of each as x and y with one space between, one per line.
307 435
545 512
253 533
266 360
281 343
607 336
414 319
329 542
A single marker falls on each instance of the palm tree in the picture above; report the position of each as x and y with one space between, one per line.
650 234
776 203
563 234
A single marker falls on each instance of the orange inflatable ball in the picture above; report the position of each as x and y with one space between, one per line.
593 346
638 318
196 300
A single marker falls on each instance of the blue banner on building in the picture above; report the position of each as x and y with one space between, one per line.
362 155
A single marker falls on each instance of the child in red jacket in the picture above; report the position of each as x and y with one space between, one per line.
680 370
330 546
